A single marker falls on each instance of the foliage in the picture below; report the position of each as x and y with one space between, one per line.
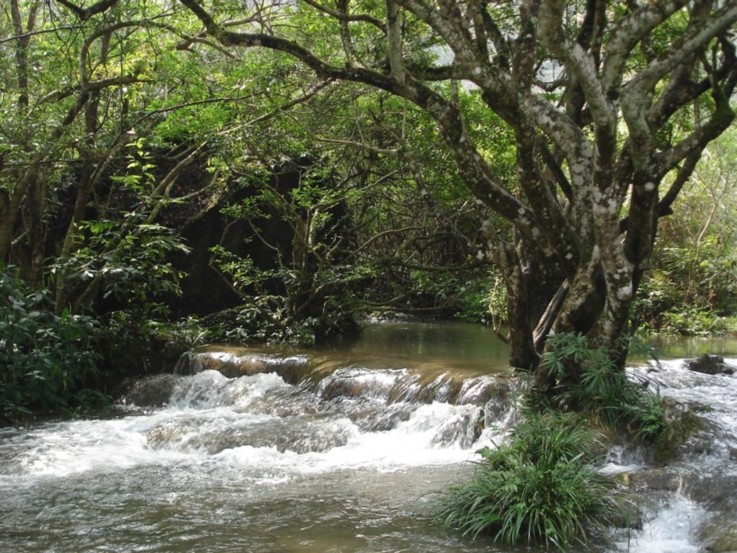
132 343
396 205
127 274
273 310
690 289
127 262
695 321
474 296
601 388
689 292
46 359
541 486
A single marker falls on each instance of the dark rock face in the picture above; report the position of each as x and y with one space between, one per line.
204 290
268 240
710 364
153 391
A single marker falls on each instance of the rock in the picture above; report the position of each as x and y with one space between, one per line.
153 391
651 480
345 387
188 364
720 537
710 364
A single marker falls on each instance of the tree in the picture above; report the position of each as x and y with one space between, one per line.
599 96
48 107
690 289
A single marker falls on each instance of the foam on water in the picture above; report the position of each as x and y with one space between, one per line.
257 433
210 389
217 420
412 443
62 449
673 529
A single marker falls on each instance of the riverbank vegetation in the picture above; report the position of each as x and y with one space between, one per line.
542 486
171 177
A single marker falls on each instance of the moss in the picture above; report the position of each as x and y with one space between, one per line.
682 423
720 538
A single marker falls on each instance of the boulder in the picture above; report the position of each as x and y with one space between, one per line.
710 364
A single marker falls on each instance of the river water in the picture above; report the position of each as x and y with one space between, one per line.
329 451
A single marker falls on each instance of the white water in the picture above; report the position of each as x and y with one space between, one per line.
674 522
672 530
207 404
251 464
255 464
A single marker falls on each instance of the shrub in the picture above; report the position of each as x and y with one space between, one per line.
540 487
694 321
45 358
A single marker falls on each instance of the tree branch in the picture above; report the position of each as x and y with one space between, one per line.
346 17
86 13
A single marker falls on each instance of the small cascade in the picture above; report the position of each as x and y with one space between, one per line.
213 412
334 400
689 503
233 362
671 526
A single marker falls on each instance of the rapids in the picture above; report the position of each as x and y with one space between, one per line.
325 452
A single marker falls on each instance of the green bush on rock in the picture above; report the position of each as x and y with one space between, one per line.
602 390
540 487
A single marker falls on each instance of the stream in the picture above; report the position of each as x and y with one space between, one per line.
335 450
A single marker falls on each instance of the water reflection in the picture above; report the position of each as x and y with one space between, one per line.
672 347
474 346
458 345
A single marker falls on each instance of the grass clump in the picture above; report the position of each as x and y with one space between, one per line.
600 389
541 486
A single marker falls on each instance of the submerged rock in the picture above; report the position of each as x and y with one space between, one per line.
710 364
651 480
318 434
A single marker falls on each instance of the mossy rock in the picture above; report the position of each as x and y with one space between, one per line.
720 538
682 423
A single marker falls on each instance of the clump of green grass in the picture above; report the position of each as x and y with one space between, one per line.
601 389
541 486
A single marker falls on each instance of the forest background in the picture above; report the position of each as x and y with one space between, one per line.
160 189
